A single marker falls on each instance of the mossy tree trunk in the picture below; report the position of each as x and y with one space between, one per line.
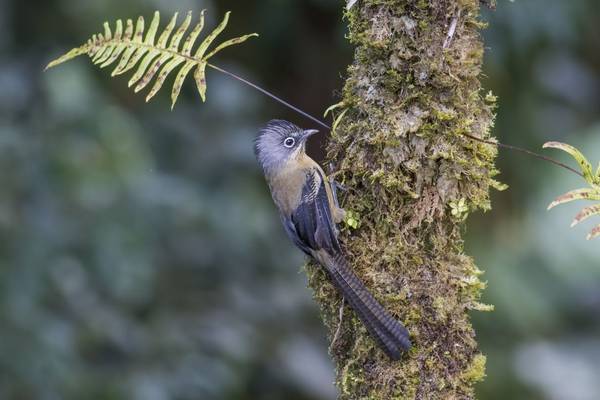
413 179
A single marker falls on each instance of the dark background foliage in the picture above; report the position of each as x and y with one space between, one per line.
141 257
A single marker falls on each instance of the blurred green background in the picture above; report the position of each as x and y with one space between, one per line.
140 254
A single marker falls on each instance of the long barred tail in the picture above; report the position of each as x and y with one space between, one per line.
390 334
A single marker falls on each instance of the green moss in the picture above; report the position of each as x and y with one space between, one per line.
414 179
476 371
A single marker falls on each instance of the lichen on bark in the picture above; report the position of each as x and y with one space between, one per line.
413 179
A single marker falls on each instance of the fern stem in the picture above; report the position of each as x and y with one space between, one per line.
94 45
271 95
525 151
323 124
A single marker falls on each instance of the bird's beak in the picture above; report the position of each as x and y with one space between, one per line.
308 133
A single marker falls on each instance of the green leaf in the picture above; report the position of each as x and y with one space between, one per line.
499 186
591 193
584 164
578 194
333 107
68 56
139 30
143 66
200 77
164 37
183 72
151 34
352 219
152 71
200 53
176 39
338 120
170 66
191 39
459 209
155 59
212 36
228 43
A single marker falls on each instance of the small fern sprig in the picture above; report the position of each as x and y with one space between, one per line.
591 193
155 58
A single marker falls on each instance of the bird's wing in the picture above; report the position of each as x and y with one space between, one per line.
311 220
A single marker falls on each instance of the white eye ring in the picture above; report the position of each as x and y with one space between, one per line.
289 142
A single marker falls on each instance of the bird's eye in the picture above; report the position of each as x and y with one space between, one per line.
289 142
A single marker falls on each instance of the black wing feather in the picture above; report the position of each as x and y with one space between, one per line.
311 228
312 221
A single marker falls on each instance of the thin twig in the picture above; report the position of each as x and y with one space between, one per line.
271 95
324 125
451 31
525 151
339 328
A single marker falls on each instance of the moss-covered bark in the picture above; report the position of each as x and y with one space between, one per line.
413 179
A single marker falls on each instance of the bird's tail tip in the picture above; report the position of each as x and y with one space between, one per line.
388 332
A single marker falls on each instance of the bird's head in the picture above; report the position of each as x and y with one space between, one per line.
279 142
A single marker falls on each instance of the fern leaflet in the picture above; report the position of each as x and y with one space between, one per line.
155 59
591 193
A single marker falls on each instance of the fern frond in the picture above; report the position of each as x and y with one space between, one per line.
591 193
155 59
584 164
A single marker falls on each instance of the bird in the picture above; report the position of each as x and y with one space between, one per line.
309 211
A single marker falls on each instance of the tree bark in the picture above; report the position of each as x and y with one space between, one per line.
412 178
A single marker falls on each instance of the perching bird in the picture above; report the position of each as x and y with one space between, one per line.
309 212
